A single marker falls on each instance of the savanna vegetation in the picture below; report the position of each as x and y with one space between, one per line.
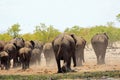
45 33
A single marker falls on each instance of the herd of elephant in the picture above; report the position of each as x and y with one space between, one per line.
64 47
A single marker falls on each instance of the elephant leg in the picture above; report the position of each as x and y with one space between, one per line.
28 62
6 68
103 58
80 58
74 59
23 65
15 62
98 57
7 64
77 60
69 64
59 66
83 56
2 63
47 61
39 60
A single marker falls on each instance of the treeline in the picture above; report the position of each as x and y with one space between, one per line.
45 33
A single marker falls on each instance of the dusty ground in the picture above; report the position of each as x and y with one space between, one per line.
112 63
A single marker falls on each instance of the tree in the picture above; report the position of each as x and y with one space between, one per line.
118 17
14 30
45 33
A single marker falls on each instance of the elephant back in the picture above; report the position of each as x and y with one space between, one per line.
100 38
3 53
47 46
25 50
18 41
10 47
28 44
80 42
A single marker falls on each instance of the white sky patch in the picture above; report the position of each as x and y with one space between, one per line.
59 13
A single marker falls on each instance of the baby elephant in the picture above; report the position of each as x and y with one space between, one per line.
25 55
5 62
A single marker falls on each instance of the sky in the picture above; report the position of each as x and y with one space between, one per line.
59 13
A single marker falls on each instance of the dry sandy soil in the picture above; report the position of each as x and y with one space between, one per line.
112 63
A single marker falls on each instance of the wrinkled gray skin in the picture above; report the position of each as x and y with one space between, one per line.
2 44
99 44
11 50
79 49
64 49
49 54
36 53
25 54
19 42
4 60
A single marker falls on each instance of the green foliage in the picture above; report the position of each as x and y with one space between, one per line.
45 33
5 37
88 33
77 75
14 30
118 17
27 36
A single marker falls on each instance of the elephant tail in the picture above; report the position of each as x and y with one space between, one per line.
58 50
23 55
59 46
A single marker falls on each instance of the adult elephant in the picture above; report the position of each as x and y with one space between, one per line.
2 44
36 53
79 49
11 49
5 62
25 54
64 49
48 54
19 42
99 44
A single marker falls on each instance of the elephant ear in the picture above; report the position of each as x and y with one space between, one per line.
15 45
32 42
106 35
74 37
22 39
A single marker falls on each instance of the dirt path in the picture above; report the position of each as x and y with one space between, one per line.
112 63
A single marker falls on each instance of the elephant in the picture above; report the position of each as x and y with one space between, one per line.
99 43
36 53
11 49
79 49
48 53
64 49
2 44
25 54
5 62
19 44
